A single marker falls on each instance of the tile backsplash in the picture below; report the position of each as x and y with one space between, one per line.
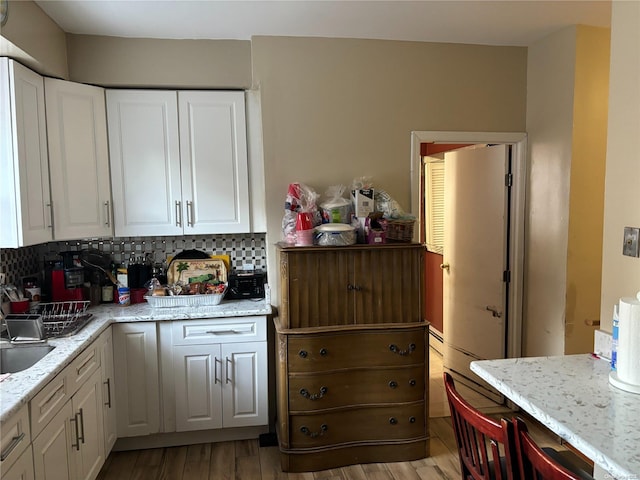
242 248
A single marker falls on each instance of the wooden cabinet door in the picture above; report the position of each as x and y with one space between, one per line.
78 159
24 182
213 154
317 288
245 390
198 377
52 448
145 162
135 347
388 284
109 419
87 408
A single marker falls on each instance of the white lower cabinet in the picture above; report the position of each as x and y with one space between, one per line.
22 468
109 418
135 349
71 445
220 385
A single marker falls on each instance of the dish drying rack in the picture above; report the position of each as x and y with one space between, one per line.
61 319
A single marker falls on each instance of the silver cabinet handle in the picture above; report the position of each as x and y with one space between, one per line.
226 371
178 213
11 447
81 438
223 332
190 220
77 428
108 214
216 380
50 206
108 384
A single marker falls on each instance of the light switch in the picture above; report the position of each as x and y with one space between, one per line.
631 237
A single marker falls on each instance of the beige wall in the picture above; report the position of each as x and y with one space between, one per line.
621 274
566 123
586 201
31 37
144 62
550 78
335 109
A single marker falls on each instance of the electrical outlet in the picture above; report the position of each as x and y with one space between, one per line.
631 239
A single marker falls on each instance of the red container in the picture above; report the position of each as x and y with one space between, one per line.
137 295
21 306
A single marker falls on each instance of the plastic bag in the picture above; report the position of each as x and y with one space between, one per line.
336 209
388 206
300 198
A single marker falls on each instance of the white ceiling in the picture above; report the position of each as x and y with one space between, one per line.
511 22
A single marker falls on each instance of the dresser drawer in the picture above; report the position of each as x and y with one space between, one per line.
356 387
331 351
219 330
358 425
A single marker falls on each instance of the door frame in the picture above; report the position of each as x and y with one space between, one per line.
517 220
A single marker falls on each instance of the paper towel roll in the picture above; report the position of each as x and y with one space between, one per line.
628 360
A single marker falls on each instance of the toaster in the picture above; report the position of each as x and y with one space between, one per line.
246 284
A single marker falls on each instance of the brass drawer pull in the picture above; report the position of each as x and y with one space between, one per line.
393 384
393 421
396 349
309 433
302 353
412 419
313 396
412 382
323 352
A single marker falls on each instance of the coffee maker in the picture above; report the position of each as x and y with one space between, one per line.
64 281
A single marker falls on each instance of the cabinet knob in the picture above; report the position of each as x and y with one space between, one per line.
396 349
302 353
393 421
412 419
412 382
393 384
323 352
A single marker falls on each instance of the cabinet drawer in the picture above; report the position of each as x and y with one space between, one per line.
358 425
83 366
312 353
356 387
225 330
49 400
15 436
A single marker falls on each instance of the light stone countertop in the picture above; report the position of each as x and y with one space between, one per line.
18 388
571 396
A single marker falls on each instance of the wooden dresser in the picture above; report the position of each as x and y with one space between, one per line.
352 353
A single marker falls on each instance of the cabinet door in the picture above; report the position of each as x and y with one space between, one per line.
87 409
244 391
22 469
24 182
145 162
213 153
198 386
78 159
109 419
135 348
52 449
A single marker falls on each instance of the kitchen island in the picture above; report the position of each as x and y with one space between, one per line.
19 388
571 396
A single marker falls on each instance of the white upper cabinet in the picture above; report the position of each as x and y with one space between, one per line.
25 201
178 162
78 160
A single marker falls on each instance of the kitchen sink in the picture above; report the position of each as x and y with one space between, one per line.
17 358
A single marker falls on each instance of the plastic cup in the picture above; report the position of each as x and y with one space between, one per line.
304 238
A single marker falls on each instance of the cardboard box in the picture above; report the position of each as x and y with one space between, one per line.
363 202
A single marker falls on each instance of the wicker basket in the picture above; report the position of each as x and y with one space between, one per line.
399 230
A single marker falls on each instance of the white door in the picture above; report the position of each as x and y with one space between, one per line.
87 406
135 352
52 449
145 162
474 250
109 418
245 384
78 159
198 386
213 153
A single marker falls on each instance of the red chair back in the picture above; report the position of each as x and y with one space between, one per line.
533 462
485 446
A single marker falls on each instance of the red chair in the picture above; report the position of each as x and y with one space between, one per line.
535 463
486 447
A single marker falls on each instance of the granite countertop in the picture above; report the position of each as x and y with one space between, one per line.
18 388
571 395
